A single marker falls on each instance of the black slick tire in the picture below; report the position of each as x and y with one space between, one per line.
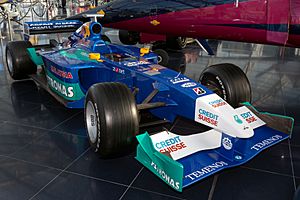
18 62
113 124
162 56
228 81
128 37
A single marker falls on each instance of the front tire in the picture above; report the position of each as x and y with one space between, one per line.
228 81
18 61
111 118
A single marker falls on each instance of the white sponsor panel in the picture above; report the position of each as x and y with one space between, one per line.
181 146
250 117
210 110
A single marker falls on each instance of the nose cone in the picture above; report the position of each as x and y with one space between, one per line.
213 111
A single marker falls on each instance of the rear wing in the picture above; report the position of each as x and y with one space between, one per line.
48 27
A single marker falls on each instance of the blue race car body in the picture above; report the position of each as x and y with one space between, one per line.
235 135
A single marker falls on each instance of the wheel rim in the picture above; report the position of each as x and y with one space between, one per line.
159 59
9 62
212 84
91 121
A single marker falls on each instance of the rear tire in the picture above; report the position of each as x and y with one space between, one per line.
18 61
162 56
228 81
111 118
128 37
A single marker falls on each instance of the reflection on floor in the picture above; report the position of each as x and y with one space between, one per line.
44 152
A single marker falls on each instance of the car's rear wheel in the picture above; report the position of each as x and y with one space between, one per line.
18 62
228 81
162 57
111 118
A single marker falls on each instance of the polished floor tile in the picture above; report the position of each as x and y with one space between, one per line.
74 126
121 170
21 180
147 195
69 186
32 114
54 150
295 140
16 137
295 150
274 159
240 183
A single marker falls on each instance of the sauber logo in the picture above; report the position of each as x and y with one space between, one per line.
199 91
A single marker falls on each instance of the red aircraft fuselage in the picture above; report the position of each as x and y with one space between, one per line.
256 21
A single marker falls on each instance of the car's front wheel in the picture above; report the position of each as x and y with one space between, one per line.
111 118
228 81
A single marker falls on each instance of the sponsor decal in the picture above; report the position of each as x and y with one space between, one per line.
206 170
208 117
60 88
170 145
131 64
153 70
217 103
266 142
227 144
52 25
60 73
179 80
166 177
199 91
237 119
249 117
188 85
142 69
118 70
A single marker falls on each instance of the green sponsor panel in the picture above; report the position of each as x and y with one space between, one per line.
77 54
69 91
163 166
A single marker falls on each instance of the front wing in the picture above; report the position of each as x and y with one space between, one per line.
198 156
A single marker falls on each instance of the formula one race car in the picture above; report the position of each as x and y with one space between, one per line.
113 83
